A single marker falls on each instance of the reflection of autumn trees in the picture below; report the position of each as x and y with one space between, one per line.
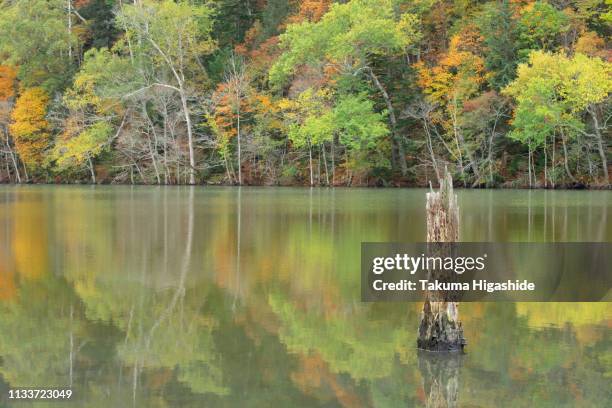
109 283
29 237
39 337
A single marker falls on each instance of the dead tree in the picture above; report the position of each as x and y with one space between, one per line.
440 328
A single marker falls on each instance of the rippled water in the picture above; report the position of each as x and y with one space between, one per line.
168 297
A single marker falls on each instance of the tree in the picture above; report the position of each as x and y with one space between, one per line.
83 147
30 128
94 104
361 130
554 95
457 77
100 18
539 27
310 121
8 82
231 100
172 35
346 40
498 27
8 78
315 121
39 44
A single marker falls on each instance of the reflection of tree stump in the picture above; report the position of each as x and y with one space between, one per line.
440 328
440 374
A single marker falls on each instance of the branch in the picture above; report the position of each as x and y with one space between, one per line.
76 13
149 87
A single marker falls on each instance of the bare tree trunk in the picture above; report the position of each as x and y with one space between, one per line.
12 155
396 139
553 175
69 29
227 170
25 172
529 165
440 328
165 141
491 139
310 162
152 149
333 160
565 163
600 144
239 147
430 148
91 169
545 165
325 162
189 135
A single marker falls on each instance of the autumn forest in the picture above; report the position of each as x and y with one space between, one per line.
503 93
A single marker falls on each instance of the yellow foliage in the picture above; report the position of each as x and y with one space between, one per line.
29 243
559 314
30 128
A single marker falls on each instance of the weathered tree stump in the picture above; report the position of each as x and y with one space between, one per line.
440 328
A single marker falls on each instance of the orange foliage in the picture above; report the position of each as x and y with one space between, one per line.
591 44
8 289
30 127
261 55
80 3
460 71
231 103
310 10
8 76
314 376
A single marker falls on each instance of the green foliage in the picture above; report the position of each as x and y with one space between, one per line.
35 38
232 20
358 125
539 28
352 118
100 23
103 75
311 119
320 79
346 36
499 32
552 91
273 15
177 31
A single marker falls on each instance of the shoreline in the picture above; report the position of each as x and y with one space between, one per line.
301 186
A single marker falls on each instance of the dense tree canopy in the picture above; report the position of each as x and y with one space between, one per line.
319 92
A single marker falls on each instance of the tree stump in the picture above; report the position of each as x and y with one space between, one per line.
440 328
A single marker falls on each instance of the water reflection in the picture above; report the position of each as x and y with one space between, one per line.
233 297
441 373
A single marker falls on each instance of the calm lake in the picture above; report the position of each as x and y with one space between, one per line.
239 297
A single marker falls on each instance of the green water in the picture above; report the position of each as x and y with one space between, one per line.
172 297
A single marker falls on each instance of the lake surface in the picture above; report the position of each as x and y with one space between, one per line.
240 297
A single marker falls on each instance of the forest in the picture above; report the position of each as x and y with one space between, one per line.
504 93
